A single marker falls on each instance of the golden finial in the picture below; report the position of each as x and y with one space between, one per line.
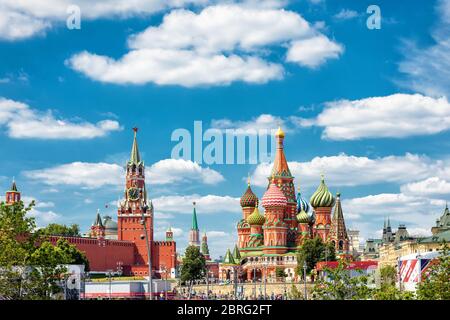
248 179
280 132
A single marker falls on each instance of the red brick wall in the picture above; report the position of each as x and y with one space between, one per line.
164 254
102 254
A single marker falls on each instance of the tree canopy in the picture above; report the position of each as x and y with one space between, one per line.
313 251
54 229
30 266
194 265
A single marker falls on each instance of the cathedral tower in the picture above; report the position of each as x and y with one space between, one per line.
282 177
194 233
275 228
134 204
322 201
248 203
338 233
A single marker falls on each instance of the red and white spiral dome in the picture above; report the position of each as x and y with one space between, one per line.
274 197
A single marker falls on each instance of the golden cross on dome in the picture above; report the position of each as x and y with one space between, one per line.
248 179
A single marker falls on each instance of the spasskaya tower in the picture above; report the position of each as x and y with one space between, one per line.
134 203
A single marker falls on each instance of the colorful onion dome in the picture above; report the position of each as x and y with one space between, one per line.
302 204
274 197
256 218
302 217
249 199
322 197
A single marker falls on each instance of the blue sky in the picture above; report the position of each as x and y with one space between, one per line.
368 108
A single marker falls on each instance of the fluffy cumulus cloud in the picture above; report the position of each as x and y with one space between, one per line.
427 69
96 175
397 116
20 19
170 171
23 122
433 186
313 52
415 211
208 204
216 46
84 174
263 123
364 170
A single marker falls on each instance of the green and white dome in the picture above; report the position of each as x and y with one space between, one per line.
322 197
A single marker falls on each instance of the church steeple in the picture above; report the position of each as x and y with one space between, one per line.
280 165
338 232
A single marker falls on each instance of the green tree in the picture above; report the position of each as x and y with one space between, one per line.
54 229
313 251
388 275
30 267
436 286
74 255
279 272
193 267
294 293
339 285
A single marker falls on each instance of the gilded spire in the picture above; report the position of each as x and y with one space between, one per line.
135 156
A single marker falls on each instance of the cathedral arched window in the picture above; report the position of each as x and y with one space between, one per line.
341 245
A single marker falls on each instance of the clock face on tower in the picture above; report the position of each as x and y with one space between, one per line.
133 193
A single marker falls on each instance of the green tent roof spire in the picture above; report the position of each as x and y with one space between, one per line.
135 156
194 218
229 258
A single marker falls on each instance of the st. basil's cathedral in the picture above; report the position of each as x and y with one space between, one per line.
271 241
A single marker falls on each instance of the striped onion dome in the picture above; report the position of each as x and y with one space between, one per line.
302 217
302 204
274 197
249 199
322 197
256 218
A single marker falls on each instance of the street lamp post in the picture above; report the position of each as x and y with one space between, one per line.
265 280
254 282
147 242
304 278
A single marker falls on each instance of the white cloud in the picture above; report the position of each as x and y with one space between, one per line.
84 174
364 170
414 211
397 116
219 45
346 14
171 171
22 122
213 234
44 217
433 186
20 19
96 175
314 51
208 204
175 67
427 69
264 122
